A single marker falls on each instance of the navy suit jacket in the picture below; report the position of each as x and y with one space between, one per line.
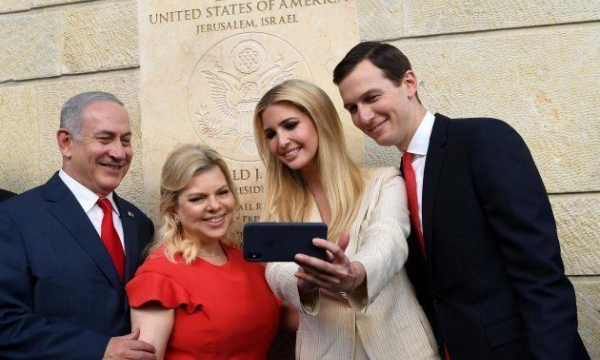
5 195
493 284
60 295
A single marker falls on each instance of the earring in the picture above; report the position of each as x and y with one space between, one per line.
177 223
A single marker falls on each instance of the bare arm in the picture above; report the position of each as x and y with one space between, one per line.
155 324
129 347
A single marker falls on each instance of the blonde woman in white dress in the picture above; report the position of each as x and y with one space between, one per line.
359 303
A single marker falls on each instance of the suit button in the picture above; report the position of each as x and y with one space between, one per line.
437 299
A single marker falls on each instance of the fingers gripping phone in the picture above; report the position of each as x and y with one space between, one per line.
269 241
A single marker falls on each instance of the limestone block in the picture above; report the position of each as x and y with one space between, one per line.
19 169
443 16
379 19
42 3
7 6
392 19
578 223
100 37
49 98
30 46
587 290
376 155
544 82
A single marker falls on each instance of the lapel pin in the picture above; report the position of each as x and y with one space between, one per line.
130 214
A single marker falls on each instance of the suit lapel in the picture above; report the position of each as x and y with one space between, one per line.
130 232
66 209
433 165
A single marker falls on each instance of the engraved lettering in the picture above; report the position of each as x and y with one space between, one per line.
288 4
247 207
242 174
229 25
264 5
253 189
250 218
175 16
280 20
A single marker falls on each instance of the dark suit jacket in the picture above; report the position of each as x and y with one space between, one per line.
60 295
493 285
5 195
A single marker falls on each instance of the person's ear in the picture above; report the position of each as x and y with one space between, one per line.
65 141
411 83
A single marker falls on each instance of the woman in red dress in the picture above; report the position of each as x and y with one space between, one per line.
195 297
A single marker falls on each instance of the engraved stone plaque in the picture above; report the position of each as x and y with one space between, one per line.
205 64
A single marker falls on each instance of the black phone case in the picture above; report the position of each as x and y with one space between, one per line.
268 241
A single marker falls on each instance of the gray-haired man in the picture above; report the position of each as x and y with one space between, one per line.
68 247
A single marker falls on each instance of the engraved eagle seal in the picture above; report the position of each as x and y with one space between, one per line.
229 81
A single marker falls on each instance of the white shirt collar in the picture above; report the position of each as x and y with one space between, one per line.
420 141
86 198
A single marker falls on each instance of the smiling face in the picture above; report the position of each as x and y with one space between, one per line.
292 136
387 112
101 158
205 206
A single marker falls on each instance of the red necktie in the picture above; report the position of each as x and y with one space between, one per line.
413 206
411 192
110 238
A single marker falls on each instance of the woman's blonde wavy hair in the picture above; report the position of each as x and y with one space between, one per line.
287 197
181 166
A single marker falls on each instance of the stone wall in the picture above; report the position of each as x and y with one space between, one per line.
531 63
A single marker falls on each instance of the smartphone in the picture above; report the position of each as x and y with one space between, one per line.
269 241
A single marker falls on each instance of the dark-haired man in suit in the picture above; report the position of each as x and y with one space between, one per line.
68 247
485 256
5 195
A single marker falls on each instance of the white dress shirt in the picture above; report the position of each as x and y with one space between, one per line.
89 202
418 146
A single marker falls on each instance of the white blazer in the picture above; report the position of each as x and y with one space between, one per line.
390 320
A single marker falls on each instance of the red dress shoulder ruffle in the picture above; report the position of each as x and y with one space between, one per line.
150 286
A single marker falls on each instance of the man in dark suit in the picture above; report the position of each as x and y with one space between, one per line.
68 247
5 195
485 258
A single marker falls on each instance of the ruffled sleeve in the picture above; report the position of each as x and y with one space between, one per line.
150 287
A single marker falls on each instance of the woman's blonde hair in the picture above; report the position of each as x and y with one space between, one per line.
179 169
287 197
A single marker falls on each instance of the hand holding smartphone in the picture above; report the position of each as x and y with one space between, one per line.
269 241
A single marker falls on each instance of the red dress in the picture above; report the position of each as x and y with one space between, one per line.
221 312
